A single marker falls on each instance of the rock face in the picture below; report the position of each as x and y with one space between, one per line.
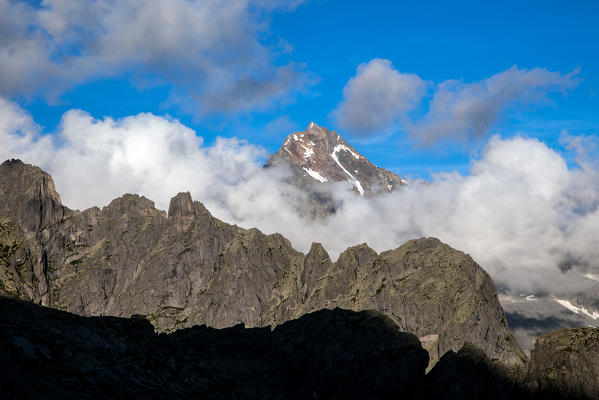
18 260
329 354
567 361
28 196
187 268
318 155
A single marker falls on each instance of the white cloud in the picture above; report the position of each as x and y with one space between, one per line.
377 97
208 50
462 111
521 212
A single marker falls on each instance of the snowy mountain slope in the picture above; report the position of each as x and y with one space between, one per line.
318 155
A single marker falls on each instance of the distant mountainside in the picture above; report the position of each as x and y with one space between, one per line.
327 354
530 316
318 155
186 268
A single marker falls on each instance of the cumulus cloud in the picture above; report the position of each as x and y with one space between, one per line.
93 161
377 97
520 212
208 50
462 111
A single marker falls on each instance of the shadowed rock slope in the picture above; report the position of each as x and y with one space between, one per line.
187 268
328 354
470 375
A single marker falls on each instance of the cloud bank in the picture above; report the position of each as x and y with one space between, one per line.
521 212
379 97
210 51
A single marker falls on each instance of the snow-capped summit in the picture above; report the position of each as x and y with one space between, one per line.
321 155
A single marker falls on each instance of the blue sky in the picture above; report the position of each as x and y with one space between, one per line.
325 42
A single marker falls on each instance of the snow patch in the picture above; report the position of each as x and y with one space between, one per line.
308 152
576 310
340 147
295 137
592 277
359 187
337 149
334 156
315 175
390 187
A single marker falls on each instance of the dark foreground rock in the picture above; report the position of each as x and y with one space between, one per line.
188 268
328 354
469 374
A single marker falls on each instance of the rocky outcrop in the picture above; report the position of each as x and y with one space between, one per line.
329 354
187 268
319 156
28 194
28 199
566 362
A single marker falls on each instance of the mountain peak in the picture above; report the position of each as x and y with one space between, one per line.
321 155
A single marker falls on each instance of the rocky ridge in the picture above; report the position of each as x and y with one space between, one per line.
187 268
318 155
